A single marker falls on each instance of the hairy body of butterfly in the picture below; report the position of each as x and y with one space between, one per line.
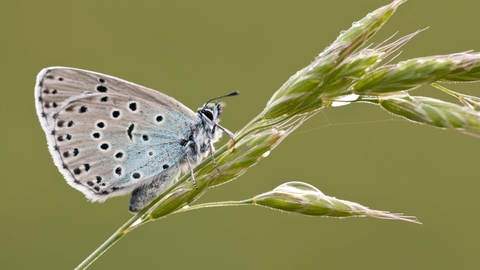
109 137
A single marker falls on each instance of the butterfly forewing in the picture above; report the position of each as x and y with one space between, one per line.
57 86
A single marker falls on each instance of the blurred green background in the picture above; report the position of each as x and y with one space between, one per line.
194 50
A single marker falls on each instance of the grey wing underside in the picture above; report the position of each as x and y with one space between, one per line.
108 136
56 87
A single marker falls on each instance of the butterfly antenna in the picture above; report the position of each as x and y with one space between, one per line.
219 97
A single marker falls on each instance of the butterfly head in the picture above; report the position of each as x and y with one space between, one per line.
210 116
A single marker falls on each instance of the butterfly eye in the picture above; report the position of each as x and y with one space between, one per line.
208 114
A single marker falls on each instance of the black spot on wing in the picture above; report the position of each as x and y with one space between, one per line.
101 89
118 171
132 106
104 146
129 131
115 114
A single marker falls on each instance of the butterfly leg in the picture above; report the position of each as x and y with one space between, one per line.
191 172
145 194
210 147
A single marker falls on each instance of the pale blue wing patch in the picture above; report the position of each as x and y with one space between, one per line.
114 145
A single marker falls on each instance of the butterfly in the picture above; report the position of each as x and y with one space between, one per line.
109 137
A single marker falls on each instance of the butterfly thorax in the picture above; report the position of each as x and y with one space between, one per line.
204 133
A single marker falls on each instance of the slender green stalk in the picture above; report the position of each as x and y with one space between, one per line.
214 204
471 102
302 198
107 244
